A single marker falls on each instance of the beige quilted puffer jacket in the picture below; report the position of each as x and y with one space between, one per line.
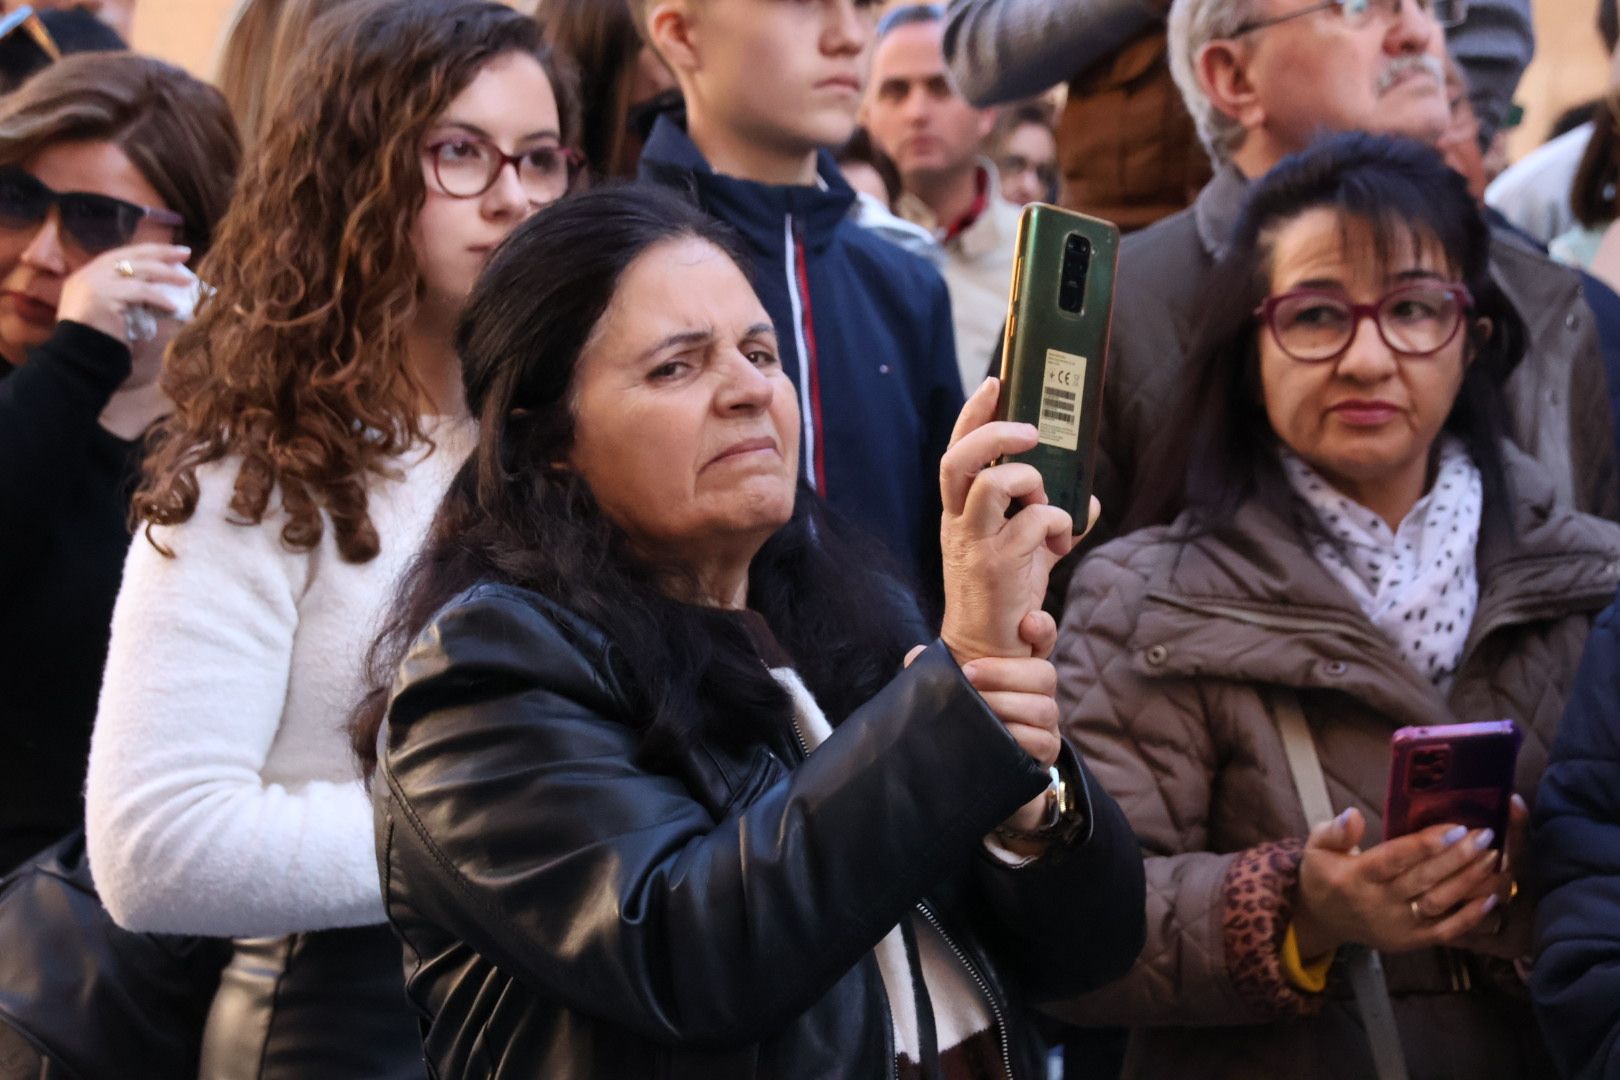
1169 657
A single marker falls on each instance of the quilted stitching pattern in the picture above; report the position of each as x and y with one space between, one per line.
1193 758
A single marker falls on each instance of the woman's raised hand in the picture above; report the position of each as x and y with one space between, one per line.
1429 888
996 566
102 291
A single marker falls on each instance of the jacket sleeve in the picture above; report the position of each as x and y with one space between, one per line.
49 409
1150 745
1001 50
1576 845
186 834
518 820
1096 883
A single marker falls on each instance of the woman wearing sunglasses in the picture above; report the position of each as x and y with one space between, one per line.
107 163
319 420
1357 550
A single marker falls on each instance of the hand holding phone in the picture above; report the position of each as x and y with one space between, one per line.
996 556
1433 887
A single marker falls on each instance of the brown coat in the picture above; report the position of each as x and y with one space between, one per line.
1168 661
1128 149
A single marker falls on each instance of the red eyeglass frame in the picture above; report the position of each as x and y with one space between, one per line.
1456 290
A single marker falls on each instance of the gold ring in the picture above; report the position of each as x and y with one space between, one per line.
125 268
1513 890
1417 913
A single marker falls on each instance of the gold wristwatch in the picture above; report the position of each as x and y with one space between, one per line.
1064 814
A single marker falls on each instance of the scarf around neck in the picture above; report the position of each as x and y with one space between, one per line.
1418 584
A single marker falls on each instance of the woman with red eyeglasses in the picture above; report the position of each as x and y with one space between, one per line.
1346 545
319 418
108 163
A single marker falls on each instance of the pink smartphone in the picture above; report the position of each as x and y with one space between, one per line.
1452 774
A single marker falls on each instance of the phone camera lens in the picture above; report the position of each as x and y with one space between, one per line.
1070 295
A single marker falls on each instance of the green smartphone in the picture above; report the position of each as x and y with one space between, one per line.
1056 345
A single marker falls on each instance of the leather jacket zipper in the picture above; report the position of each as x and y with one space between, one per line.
893 1070
978 980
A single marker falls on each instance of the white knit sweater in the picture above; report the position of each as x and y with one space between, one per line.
222 797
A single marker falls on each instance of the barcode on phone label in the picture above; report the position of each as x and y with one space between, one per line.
1061 387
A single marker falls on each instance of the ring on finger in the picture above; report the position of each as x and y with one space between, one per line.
1417 912
125 268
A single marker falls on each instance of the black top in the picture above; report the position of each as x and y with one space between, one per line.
65 483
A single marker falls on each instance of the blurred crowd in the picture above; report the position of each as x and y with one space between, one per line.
513 563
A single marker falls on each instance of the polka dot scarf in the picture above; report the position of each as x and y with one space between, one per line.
1417 584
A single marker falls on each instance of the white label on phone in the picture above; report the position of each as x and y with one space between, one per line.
1061 390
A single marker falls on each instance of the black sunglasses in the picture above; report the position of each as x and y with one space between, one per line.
96 223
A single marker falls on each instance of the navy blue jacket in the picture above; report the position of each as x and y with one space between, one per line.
865 335
1576 844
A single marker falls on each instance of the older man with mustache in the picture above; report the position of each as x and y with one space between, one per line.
1262 79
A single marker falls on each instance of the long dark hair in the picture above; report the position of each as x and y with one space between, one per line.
512 516
1397 188
1593 195
600 38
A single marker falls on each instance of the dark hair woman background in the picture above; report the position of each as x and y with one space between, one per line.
621 78
654 792
1359 551
107 163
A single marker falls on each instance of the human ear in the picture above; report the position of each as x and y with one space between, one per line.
670 32
1222 71
987 123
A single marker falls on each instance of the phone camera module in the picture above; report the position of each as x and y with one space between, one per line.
1072 278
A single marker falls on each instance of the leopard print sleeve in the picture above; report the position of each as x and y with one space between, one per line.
1259 902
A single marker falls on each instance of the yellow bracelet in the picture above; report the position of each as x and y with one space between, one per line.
1310 978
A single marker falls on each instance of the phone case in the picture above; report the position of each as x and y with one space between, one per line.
1453 774
1052 360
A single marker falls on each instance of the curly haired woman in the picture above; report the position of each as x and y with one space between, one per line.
319 420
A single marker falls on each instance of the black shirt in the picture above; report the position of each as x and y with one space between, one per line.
65 483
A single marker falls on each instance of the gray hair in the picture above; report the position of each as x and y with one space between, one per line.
1192 25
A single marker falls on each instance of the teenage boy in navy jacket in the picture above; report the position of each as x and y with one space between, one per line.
864 327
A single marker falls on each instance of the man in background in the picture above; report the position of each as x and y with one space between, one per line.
934 136
1125 140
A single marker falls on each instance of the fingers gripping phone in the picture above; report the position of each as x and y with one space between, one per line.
1453 774
1052 358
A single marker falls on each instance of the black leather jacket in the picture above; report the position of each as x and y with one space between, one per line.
567 913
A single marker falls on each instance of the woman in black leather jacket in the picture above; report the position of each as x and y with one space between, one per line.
661 790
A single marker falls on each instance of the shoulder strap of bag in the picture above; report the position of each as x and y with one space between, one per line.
1366 971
